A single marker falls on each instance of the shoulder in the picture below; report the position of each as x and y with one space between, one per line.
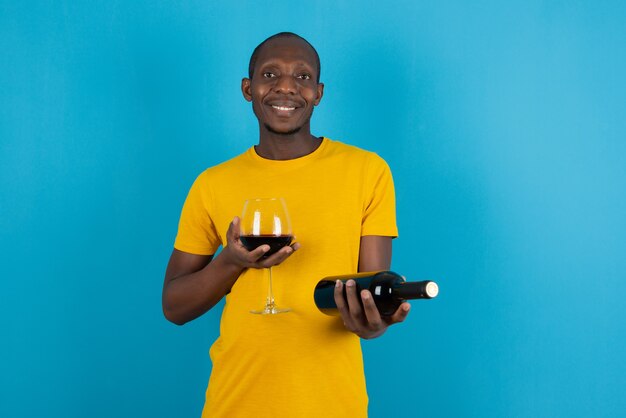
355 154
219 171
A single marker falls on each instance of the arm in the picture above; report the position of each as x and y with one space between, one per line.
366 322
195 283
375 253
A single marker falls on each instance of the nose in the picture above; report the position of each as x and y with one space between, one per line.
286 85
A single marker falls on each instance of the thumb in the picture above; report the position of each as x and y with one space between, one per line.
233 230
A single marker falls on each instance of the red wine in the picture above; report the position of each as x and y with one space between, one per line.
388 290
276 242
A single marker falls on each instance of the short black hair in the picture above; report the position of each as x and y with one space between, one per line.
256 51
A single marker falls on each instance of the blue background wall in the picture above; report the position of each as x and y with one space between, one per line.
504 124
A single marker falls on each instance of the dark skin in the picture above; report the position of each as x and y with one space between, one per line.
283 91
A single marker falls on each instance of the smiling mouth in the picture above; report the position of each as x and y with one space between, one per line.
283 108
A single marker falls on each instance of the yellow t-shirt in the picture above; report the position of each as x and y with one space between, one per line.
302 363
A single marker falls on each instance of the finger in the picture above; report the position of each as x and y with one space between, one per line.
374 320
277 258
232 235
354 304
234 249
400 314
342 306
255 255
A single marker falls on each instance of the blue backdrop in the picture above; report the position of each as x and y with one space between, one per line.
504 124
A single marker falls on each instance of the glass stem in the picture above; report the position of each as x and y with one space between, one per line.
270 294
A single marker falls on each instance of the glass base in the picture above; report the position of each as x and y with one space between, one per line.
270 309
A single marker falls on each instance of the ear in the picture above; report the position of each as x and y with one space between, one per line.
245 89
320 93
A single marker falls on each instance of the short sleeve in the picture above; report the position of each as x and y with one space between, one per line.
379 216
196 230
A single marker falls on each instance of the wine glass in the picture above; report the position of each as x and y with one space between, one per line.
266 222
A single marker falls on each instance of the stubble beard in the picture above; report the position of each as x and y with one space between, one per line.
290 132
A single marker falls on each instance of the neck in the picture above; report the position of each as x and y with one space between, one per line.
273 146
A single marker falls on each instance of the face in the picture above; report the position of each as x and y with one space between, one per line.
284 89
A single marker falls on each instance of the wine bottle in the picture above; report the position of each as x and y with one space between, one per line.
388 290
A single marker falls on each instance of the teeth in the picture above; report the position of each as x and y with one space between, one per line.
283 108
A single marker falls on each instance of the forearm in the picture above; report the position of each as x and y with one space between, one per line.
188 296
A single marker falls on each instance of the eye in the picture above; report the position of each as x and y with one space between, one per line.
268 74
304 76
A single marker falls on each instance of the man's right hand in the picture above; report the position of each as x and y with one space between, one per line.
237 254
195 283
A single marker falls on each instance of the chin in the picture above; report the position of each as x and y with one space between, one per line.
287 131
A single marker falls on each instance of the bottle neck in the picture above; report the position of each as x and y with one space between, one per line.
416 290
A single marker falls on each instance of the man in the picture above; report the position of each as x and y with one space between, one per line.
341 200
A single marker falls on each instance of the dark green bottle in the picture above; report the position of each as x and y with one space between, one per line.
388 290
